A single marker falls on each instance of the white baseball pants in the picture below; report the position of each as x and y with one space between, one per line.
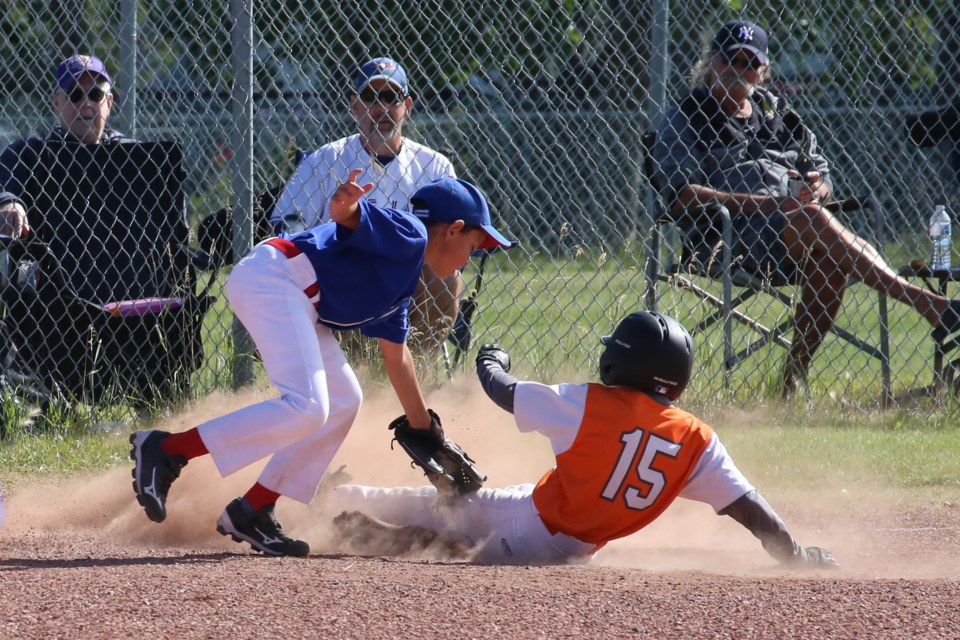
319 398
504 523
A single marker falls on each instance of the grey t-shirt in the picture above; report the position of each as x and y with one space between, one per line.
700 144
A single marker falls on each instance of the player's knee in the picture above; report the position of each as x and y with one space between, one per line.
314 411
348 401
317 410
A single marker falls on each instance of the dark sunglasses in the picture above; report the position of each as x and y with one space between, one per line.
742 61
387 96
78 94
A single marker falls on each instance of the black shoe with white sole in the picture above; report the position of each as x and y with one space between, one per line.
154 472
259 528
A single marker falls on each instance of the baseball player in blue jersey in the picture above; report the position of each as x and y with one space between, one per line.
291 293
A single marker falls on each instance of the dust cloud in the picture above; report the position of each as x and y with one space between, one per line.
875 532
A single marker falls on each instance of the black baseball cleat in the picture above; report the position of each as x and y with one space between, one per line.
154 472
259 528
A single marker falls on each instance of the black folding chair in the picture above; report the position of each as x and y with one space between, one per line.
111 309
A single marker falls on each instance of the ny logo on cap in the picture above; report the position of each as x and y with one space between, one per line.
384 66
745 34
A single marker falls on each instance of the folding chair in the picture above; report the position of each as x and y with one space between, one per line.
708 255
112 310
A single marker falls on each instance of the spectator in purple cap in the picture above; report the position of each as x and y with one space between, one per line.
82 101
735 143
380 103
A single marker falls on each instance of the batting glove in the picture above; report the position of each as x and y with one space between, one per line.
493 353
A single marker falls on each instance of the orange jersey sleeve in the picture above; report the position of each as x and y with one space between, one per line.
630 459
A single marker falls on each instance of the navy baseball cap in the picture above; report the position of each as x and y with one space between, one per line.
452 199
70 70
741 34
382 69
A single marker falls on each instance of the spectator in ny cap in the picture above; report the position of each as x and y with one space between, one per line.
82 100
380 103
733 142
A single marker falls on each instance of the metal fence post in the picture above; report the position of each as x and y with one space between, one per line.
241 140
128 67
656 105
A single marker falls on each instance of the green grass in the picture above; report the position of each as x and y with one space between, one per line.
549 309
548 312
809 456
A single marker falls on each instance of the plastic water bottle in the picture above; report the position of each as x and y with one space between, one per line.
940 239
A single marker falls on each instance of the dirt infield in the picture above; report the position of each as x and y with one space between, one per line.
80 560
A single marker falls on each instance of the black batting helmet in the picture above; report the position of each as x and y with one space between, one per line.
650 352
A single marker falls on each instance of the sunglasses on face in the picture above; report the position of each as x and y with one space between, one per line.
742 61
386 96
96 94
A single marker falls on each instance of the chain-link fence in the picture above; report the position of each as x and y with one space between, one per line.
542 104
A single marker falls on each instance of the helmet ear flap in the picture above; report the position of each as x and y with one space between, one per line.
606 368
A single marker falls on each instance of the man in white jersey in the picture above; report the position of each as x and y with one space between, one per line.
380 102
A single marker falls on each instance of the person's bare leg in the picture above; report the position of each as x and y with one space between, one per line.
820 300
817 231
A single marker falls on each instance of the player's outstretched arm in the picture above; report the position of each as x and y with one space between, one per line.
753 512
398 363
493 363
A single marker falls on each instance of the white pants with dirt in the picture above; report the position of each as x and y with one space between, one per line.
503 522
320 396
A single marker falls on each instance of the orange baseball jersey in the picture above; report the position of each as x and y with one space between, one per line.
627 460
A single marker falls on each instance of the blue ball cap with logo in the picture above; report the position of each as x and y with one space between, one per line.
70 70
741 34
382 69
452 199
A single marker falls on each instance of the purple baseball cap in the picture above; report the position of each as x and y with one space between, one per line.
70 70
382 69
452 199
741 34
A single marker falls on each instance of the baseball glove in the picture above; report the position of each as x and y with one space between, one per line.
445 464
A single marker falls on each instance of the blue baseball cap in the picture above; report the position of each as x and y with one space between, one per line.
382 69
452 199
741 34
70 70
